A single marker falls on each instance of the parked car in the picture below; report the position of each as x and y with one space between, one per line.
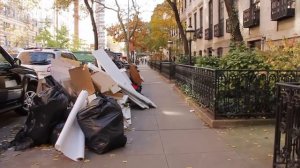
17 84
40 59
84 56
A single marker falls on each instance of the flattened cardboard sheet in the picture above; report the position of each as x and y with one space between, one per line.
104 82
81 80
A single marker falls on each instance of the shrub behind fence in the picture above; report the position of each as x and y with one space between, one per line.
229 93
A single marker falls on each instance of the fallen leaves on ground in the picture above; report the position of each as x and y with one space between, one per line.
86 160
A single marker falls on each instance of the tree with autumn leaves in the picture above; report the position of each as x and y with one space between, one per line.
137 40
148 36
161 24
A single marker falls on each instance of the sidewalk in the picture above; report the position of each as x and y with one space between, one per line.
169 136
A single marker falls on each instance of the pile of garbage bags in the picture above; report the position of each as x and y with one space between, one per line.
80 106
101 121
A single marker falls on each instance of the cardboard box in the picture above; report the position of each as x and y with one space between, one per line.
117 96
104 82
81 80
60 68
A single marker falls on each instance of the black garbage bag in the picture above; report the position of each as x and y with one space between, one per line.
102 124
47 111
56 132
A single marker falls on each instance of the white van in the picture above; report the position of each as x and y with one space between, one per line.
40 59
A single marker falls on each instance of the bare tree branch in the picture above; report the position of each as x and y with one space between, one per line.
128 34
106 7
136 17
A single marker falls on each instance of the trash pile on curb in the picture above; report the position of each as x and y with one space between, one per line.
82 105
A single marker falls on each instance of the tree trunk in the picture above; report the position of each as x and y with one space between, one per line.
76 24
91 11
173 5
232 11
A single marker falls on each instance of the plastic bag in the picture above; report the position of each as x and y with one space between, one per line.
56 132
102 124
47 111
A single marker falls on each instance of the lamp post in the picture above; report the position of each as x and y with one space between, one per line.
170 43
161 53
190 35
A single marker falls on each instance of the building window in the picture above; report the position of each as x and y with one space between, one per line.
255 44
200 53
220 52
209 50
201 17
210 13
195 20
255 3
190 21
184 4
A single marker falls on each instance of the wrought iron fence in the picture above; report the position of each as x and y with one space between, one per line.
231 93
166 69
249 93
287 131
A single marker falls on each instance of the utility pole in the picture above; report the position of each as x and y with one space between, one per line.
76 24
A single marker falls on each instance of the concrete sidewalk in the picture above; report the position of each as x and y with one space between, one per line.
169 136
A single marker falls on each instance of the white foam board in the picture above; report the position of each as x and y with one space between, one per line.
105 61
71 139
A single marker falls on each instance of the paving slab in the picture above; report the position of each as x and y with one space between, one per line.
208 160
126 161
38 157
144 120
192 141
142 143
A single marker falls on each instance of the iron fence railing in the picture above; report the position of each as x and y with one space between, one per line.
287 131
165 69
230 93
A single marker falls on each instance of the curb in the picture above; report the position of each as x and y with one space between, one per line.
206 117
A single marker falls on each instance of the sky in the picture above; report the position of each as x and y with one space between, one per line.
85 27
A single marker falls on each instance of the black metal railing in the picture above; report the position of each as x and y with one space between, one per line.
251 17
281 9
166 69
219 29
287 130
208 33
156 65
231 93
248 93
